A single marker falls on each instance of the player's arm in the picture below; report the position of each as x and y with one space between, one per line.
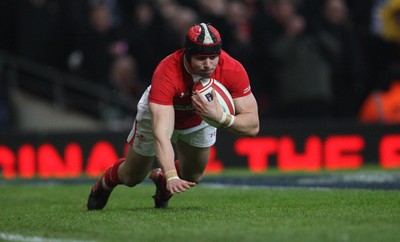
163 120
246 121
163 126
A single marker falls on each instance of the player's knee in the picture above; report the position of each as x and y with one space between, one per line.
193 178
131 180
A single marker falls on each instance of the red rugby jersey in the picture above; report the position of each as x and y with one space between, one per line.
172 85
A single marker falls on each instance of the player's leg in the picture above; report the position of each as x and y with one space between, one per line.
135 168
101 190
128 171
192 161
194 152
190 167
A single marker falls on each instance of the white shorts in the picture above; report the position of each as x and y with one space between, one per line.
141 136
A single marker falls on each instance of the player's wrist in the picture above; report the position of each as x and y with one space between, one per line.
229 120
173 178
223 118
171 175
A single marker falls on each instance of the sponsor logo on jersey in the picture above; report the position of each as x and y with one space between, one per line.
209 97
183 107
247 89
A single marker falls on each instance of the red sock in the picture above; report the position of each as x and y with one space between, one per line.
110 178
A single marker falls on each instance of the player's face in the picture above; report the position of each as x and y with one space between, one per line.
204 65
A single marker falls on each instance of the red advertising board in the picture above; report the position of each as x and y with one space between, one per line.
285 146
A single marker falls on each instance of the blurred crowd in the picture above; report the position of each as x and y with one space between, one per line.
305 58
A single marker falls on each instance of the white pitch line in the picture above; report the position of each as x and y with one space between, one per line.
249 187
21 238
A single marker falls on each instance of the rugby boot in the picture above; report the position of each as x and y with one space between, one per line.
162 196
98 196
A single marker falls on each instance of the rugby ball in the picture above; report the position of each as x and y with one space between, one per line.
205 86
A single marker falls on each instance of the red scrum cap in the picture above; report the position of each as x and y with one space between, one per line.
202 39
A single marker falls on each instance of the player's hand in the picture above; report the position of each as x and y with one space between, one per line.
210 109
179 185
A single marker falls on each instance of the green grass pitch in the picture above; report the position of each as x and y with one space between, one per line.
58 213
